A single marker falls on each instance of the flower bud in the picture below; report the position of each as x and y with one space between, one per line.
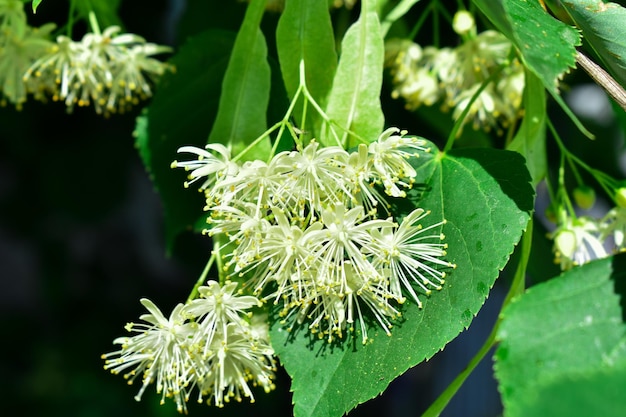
585 197
463 22
620 197
550 213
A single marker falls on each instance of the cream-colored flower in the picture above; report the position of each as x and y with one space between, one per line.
411 254
110 70
159 352
237 359
389 156
577 241
207 166
217 307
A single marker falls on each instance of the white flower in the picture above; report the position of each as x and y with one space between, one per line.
361 175
237 359
312 176
131 73
415 72
107 70
346 234
410 253
216 309
483 110
159 352
577 241
207 165
283 257
332 311
244 227
389 155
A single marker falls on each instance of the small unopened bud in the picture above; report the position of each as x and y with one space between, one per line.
585 197
550 213
620 197
463 22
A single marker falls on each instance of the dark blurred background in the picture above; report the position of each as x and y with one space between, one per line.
81 241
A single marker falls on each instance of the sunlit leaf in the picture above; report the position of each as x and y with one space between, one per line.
354 100
241 117
305 33
181 113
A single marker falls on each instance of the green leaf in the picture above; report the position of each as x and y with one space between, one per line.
486 197
530 140
241 117
354 100
547 45
566 327
305 33
603 28
36 4
180 114
597 393
105 11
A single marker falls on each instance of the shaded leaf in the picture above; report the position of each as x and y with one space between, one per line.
486 197
354 100
180 114
566 327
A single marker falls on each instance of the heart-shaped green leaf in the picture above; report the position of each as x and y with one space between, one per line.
486 197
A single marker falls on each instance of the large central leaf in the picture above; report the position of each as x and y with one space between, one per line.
486 197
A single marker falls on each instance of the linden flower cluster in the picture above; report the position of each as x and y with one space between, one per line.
427 75
111 70
578 240
209 344
20 46
303 229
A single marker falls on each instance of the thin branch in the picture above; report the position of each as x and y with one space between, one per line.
603 79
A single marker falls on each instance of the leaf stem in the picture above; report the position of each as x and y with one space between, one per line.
202 279
517 288
93 22
607 183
